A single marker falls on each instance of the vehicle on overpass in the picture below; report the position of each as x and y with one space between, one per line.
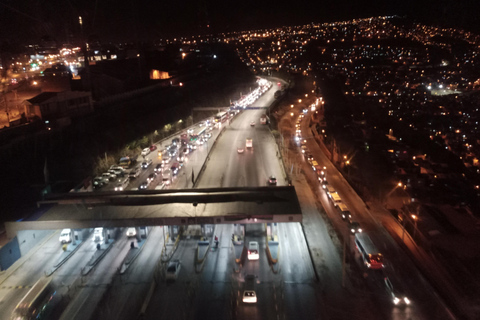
37 303
371 257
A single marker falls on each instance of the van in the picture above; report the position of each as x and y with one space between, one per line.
344 212
65 236
98 234
249 294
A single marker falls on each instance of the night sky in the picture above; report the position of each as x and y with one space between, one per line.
26 21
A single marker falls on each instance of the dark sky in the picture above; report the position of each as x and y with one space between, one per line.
27 20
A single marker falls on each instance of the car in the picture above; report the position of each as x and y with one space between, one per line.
65 236
135 172
249 294
122 184
109 175
131 232
252 123
118 172
145 152
272 181
153 147
208 135
344 211
99 182
144 185
173 269
117 168
172 152
166 159
396 292
175 141
151 177
324 183
304 149
240 150
354 227
146 163
158 168
309 157
97 234
174 169
253 253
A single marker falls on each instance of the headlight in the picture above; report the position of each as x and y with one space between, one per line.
359 230
352 230
407 301
396 300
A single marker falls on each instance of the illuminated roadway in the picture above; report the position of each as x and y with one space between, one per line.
214 292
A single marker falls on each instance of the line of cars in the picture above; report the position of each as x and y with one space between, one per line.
321 173
389 281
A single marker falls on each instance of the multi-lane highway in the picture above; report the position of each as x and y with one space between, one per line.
306 283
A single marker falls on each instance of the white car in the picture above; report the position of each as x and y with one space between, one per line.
131 232
253 250
145 152
240 150
173 269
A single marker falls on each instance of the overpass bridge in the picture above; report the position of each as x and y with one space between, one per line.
164 207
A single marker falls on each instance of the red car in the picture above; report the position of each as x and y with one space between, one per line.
153 147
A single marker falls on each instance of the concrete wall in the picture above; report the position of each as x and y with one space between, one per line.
27 239
9 253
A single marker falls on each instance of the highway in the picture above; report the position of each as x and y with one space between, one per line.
305 284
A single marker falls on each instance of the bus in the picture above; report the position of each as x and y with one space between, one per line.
197 133
372 258
127 162
37 303
221 117
263 119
